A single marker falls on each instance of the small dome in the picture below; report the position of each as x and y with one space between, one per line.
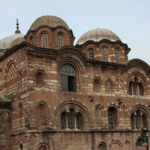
16 41
50 21
98 34
6 42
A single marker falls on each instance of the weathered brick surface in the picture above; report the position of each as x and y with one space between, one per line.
20 123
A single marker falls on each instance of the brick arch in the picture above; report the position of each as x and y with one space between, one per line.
116 145
96 84
42 115
139 75
41 74
127 145
145 116
11 70
142 108
65 106
74 60
102 146
43 146
108 83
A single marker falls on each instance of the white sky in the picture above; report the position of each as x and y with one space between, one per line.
129 19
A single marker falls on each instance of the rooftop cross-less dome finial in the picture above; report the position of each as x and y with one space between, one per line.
17 27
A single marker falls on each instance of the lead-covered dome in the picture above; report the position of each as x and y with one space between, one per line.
6 42
50 21
97 35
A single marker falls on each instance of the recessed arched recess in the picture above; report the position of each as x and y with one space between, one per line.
11 70
102 146
44 146
116 145
99 114
96 85
39 77
139 117
42 114
109 86
72 115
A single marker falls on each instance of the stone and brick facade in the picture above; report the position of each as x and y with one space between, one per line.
54 96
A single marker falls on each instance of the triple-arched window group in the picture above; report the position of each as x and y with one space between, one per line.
105 56
136 87
139 119
71 120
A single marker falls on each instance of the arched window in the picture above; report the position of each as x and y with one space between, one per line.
68 81
60 40
102 146
96 85
136 87
117 55
79 121
91 53
71 120
43 147
39 77
42 114
141 141
105 53
112 117
44 40
138 120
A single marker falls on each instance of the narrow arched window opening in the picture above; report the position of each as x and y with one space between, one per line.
105 54
96 85
60 40
71 119
112 117
20 115
117 55
68 80
39 78
79 121
21 146
91 53
102 146
44 40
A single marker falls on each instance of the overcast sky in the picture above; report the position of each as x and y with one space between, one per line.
129 19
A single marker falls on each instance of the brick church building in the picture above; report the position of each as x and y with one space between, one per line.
57 95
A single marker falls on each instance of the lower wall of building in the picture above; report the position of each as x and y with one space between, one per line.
73 140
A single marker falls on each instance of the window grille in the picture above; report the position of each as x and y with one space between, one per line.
44 40
105 54
91 53
60 40
117 55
